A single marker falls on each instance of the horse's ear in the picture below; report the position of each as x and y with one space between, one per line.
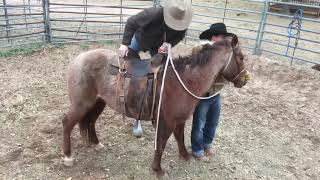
234 41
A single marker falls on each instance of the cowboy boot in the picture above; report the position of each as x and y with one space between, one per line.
132 54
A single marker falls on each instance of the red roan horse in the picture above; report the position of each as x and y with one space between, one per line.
91 88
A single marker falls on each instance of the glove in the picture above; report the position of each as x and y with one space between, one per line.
123 51
164 48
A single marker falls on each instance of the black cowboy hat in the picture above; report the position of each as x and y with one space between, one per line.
215 29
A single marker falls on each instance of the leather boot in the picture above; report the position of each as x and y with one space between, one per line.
132 55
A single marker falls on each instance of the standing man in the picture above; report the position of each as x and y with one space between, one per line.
151 30
207 113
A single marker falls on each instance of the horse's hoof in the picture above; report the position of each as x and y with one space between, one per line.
162 174
99 146
185 157
158 171
68 161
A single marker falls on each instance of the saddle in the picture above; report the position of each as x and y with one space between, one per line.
133 66
138 99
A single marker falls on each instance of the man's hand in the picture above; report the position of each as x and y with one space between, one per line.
164 48
123 51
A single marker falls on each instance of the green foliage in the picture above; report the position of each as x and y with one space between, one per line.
106 42
22 50
59 45
35 47
28 49
84 46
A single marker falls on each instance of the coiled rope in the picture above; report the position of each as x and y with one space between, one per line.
294 29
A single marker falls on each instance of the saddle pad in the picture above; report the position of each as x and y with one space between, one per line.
134 67
139 68
114 70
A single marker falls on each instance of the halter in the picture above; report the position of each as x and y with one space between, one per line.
228 63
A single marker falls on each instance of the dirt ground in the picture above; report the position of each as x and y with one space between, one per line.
269 129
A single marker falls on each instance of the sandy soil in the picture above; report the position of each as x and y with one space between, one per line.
268 129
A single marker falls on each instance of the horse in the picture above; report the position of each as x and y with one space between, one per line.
91 88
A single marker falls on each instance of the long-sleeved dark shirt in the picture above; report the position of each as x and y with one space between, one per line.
149 28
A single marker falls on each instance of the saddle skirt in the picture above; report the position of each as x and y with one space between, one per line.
137 84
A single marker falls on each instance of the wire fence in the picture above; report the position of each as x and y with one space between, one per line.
262 29
287 29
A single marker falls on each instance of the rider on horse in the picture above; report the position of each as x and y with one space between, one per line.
151 30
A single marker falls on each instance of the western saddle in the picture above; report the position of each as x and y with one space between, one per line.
138 99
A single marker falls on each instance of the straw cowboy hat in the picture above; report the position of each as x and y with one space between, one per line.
215 29
177 14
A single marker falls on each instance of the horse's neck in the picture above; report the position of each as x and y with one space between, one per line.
200 78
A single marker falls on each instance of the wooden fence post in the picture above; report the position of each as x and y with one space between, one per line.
46 18
7 21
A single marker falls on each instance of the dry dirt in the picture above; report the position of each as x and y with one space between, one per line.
269 129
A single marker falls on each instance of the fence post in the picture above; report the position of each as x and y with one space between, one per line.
47 23
156 3
224 10
121 20
257 48
7 21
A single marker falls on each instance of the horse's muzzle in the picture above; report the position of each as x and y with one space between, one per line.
242 80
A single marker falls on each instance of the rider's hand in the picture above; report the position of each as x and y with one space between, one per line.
164 48
123 51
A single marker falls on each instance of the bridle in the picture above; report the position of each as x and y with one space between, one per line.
240 72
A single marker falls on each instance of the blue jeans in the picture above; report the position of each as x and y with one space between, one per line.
204 125
135 46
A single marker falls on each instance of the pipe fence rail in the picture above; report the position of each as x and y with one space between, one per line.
282 28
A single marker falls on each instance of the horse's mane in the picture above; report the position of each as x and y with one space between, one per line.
202 57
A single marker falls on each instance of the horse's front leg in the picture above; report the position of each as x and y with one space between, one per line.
164 132
179 135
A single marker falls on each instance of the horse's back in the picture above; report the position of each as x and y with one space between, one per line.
93 58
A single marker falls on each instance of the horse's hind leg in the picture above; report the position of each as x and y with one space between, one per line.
179 135
70 120
92 117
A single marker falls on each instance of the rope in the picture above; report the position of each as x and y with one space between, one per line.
169 59
185 87
160 98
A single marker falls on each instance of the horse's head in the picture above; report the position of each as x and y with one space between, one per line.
235 70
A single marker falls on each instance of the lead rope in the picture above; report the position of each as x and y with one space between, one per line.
169 59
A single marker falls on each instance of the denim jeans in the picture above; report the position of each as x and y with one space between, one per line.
204 125
135 46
